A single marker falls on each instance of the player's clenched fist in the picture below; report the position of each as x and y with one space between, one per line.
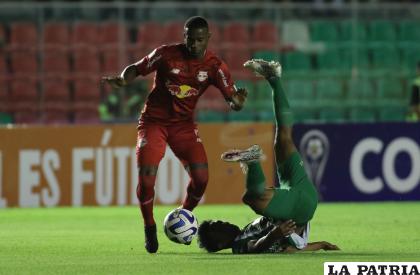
238 98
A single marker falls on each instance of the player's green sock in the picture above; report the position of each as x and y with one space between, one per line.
255 179
283 114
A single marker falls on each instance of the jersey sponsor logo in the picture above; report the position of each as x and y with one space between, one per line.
175 71
202 76
182 91
315 149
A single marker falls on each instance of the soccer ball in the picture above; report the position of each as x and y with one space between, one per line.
180 226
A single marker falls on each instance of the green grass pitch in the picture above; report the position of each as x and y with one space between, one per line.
110 241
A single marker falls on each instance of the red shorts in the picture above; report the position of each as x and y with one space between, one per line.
182 138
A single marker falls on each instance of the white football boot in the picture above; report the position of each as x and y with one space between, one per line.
250 154
264 68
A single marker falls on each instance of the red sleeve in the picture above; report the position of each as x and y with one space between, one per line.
224 82
150 62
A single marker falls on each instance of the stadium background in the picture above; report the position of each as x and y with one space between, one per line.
348 67
66 140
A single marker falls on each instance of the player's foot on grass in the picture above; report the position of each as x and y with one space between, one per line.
264 68
151 242
251 154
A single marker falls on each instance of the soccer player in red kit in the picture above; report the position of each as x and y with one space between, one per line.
183 73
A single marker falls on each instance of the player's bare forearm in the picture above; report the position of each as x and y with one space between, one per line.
315 246
277 233
320 245
127 75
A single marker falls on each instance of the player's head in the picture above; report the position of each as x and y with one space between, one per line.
196 36
216 235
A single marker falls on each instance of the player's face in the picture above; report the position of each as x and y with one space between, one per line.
223 233
196 41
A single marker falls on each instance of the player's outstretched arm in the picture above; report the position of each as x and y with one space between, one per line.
127 75
238 99
278 232
315 246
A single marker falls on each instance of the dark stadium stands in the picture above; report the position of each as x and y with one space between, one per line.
23 36
149 35
265 36
334 68
56 35
112 34
56 61
235 58
113 59
85 34
23 62
24 100
4 96
236 35
86 61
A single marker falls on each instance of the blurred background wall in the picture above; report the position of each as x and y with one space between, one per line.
344 61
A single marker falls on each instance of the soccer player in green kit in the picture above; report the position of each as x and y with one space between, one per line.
286 210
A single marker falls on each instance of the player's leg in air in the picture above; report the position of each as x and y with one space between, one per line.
150 149
295 187
187 146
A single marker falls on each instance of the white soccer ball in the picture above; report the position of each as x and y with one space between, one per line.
180 226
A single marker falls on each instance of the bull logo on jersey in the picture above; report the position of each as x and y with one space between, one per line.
175 71
202 76
182 91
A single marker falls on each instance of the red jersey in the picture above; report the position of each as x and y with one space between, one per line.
180 81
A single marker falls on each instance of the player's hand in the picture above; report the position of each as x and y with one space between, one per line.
286 228
115 81
239 98
241 94
329 246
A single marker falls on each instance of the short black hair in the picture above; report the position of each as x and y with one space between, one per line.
196 22
204 238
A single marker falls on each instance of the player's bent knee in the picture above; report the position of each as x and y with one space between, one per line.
246 199
259 202
252 202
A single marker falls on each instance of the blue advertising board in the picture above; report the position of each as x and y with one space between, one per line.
362 162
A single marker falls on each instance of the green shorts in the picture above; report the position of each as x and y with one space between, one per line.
296 198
